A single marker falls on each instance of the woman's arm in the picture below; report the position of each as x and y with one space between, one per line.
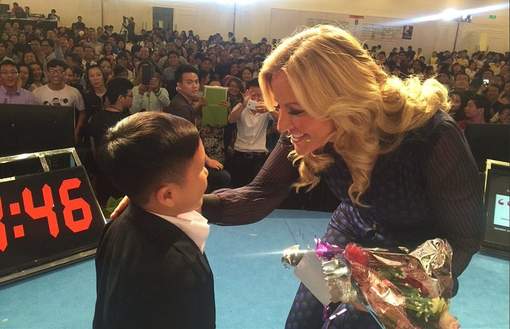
256 200
455 189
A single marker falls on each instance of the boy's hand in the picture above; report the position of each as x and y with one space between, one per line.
120 208
261 108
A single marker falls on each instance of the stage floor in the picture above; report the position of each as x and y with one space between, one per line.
253 289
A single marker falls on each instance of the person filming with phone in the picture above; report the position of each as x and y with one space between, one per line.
252 118
149 95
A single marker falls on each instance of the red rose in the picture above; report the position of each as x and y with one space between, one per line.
355 254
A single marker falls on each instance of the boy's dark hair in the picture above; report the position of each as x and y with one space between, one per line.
55 63
182 69
145 149
117 87
254 83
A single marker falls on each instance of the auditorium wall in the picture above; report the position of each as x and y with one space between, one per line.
258 18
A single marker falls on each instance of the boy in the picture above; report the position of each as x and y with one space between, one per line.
151 268
252 119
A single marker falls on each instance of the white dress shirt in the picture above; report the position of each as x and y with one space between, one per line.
193 224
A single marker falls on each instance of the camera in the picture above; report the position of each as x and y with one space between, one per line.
252 105
485 82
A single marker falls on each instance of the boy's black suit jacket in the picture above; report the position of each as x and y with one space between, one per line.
150 274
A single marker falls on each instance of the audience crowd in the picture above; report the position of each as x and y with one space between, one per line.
75 66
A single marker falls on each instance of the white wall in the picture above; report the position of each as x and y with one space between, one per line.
255 18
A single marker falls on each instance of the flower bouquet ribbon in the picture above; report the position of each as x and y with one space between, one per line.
402 290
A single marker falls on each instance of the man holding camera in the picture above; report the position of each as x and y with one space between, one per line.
150 96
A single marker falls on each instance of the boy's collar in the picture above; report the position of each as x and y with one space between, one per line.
193 224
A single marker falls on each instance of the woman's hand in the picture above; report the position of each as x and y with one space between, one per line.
120 208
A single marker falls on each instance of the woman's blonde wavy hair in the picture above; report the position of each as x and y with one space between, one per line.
334 78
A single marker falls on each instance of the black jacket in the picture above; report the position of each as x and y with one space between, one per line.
150 274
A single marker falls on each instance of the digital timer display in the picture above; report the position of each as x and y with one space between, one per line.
47 216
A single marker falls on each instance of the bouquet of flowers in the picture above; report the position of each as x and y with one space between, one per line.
402 290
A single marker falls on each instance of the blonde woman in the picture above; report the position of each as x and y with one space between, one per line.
386 148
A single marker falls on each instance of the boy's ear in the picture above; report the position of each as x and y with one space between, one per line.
166 195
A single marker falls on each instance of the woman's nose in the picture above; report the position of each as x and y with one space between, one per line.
283 121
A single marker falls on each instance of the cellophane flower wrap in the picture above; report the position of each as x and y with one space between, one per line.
402 290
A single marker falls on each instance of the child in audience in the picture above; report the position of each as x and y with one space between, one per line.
152 271
252 119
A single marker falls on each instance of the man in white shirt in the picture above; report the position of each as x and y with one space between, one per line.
57 93
252 119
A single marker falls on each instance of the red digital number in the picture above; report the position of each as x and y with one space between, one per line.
44 211
75 225
3 233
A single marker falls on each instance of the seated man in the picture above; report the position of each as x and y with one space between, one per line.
151 268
